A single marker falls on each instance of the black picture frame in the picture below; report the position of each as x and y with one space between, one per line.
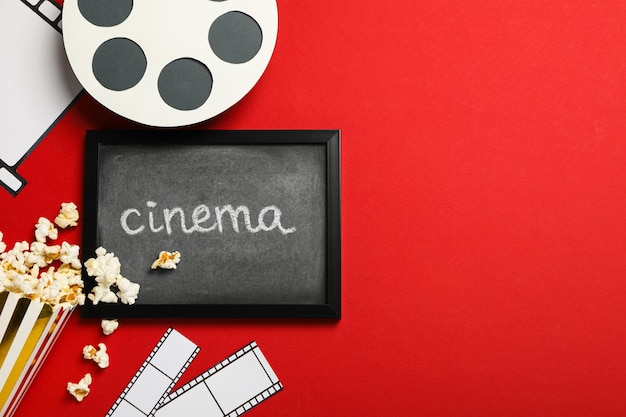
329 307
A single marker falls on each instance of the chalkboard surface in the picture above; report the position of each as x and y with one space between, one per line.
254 215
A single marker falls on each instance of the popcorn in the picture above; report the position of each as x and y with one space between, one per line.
37 255
49 274
69 254
128 291
109 326
73 296
103 294
47 287
14 259
106 269
24 274
68 216
99 356
81 389
45 229
167 260
22 283
45 274
63 286
42 254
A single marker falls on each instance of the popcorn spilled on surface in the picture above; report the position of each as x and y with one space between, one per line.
109 326
45 229
45 273
81 389
167 260
68 216
49 276
99 356
41 283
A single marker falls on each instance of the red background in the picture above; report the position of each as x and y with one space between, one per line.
483 215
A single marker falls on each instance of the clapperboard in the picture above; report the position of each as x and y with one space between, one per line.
230 388
37 83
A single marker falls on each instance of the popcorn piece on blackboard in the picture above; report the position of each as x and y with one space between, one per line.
81 389
45 229
109 326
102 294
99 356
128 291
105 267
68 216
167 260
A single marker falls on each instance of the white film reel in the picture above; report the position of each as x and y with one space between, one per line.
169 64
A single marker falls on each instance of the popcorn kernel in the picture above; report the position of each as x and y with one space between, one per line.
81 389
167 260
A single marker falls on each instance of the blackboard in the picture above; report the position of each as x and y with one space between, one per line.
254 214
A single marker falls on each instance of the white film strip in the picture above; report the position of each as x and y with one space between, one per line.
48 10
37 84
228 389
156 376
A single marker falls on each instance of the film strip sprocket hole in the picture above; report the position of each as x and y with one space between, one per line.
228 389
48 10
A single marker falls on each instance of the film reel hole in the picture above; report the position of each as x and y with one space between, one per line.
105 13
235 37
119 64
185 84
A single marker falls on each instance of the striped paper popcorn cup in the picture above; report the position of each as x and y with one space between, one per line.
28 329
